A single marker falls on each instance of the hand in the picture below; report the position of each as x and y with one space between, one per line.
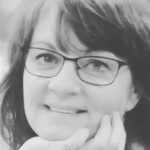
73 143
110 136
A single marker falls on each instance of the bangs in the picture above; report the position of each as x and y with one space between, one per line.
95 31
102 25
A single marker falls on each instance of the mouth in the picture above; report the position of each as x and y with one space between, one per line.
65 109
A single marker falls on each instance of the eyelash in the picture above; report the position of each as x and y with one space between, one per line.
42 55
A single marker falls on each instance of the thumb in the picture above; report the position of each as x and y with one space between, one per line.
77 140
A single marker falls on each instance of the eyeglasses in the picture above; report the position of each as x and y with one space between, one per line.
94 70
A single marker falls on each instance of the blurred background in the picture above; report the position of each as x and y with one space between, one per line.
7 8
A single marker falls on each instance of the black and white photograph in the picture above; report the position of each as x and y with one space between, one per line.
74 74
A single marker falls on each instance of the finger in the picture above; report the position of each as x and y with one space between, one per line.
102 137
77 140
72 143
118 136
36 143
122 143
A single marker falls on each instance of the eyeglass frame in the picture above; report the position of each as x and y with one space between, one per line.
75 60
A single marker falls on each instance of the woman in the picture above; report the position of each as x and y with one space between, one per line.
79 76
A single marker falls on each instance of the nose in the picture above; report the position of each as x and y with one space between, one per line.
66 82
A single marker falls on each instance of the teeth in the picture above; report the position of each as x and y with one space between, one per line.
65 109
62 110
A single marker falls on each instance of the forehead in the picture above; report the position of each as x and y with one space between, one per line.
46 25
46 29
45 32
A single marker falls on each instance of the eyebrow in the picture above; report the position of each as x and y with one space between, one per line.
50 46
43 43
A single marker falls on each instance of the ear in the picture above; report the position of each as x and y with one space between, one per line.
133 100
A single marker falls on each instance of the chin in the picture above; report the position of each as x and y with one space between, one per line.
56 135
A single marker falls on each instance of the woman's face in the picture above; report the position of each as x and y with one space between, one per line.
66 93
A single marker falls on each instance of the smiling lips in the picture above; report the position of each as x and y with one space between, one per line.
65 109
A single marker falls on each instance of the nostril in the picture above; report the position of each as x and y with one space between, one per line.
64 86
64 89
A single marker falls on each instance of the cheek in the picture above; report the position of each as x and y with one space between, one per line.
103 101
33 92
110 98
33 86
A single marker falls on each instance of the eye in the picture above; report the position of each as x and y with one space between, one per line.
96 65
47 58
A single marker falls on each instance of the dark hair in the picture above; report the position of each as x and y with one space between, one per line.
118 26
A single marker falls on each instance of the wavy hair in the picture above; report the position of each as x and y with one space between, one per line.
119 26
